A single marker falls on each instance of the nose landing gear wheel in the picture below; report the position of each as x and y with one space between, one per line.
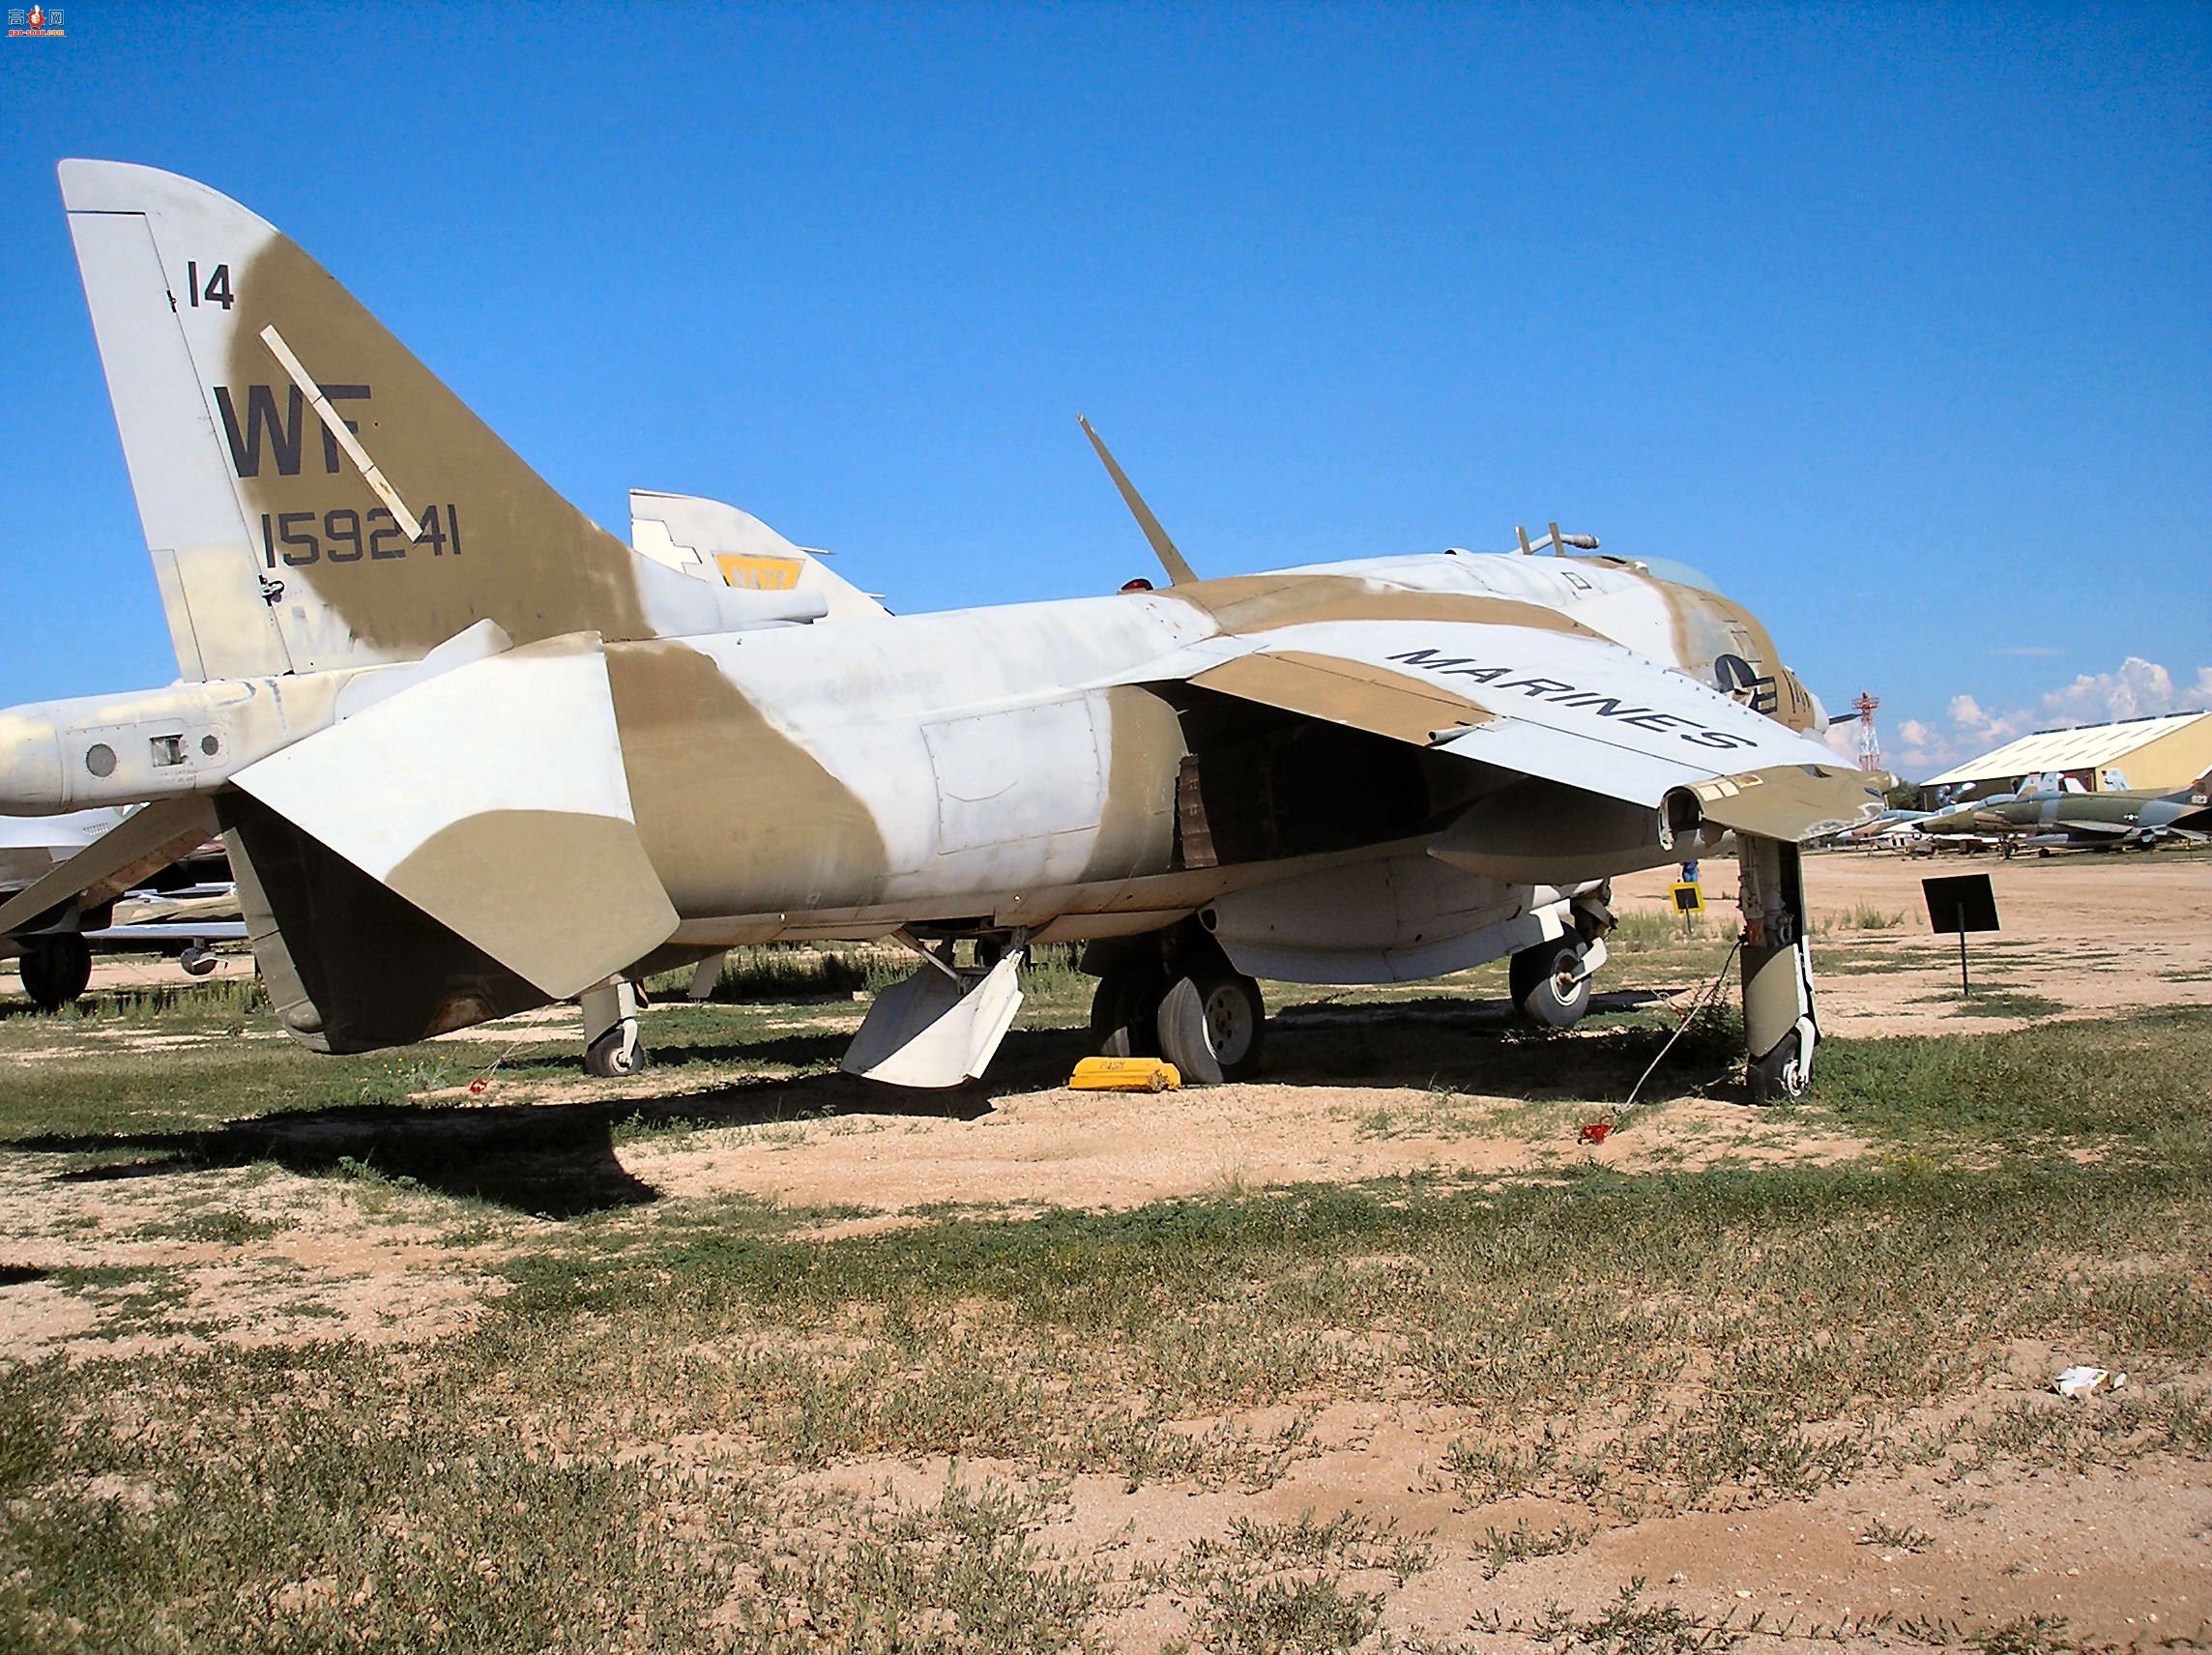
1543 984
1211 1027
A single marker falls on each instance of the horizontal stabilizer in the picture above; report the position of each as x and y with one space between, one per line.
145 842
923 1031
493 798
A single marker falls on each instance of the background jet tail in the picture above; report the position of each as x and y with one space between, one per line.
720 545
312 495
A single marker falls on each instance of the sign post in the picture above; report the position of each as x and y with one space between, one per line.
1689 898
1960 903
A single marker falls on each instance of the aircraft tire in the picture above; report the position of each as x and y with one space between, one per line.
1538 980
196 961
56 969
616 1054
1124 1011
1774 1078
1213 1025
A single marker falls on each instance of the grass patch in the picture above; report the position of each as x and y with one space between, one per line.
625 1448
786 973
1290 1586
2007 1003
1889 1537
227 1229
1637 932
2127 1085
1504 1549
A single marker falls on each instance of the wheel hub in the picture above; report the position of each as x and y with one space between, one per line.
1227 1027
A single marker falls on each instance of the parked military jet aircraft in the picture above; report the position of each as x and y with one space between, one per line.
53 959
2074 820
53 944
473 754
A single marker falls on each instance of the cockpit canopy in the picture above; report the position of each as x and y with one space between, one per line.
1680 574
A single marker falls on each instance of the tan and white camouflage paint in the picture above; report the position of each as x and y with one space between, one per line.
455 702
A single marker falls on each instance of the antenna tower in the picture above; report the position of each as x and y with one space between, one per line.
1870 745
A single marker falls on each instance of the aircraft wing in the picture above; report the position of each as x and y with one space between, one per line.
1564 705
2086 832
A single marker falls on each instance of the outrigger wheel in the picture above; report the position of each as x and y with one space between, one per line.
617 1053
614 1033
56 969
1548 984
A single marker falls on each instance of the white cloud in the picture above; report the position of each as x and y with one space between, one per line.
2137 689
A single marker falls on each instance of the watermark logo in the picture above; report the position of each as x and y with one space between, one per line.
38 23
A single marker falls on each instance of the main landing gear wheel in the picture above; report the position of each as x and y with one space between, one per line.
1545 985
1211 1027
1124 1013
195 960
56 969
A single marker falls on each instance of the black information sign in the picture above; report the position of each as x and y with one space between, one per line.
1960 903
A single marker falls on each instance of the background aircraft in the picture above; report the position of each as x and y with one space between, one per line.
470 754
2076 820
185 906
53 957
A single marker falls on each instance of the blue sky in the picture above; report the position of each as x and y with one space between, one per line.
1896 319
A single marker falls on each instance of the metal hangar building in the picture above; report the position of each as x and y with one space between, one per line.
2161 754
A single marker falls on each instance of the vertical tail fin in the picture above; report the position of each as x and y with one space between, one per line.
312 495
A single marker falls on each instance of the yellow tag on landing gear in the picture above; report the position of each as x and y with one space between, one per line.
1125 1074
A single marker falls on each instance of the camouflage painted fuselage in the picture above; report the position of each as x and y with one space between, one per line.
473 754
793 780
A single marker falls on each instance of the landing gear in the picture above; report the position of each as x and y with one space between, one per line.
1124 1011
1778 1024
56 968
1212 1025
1175 995
1550 982
195 960
614 1042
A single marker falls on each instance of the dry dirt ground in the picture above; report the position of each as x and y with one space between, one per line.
2123 1553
